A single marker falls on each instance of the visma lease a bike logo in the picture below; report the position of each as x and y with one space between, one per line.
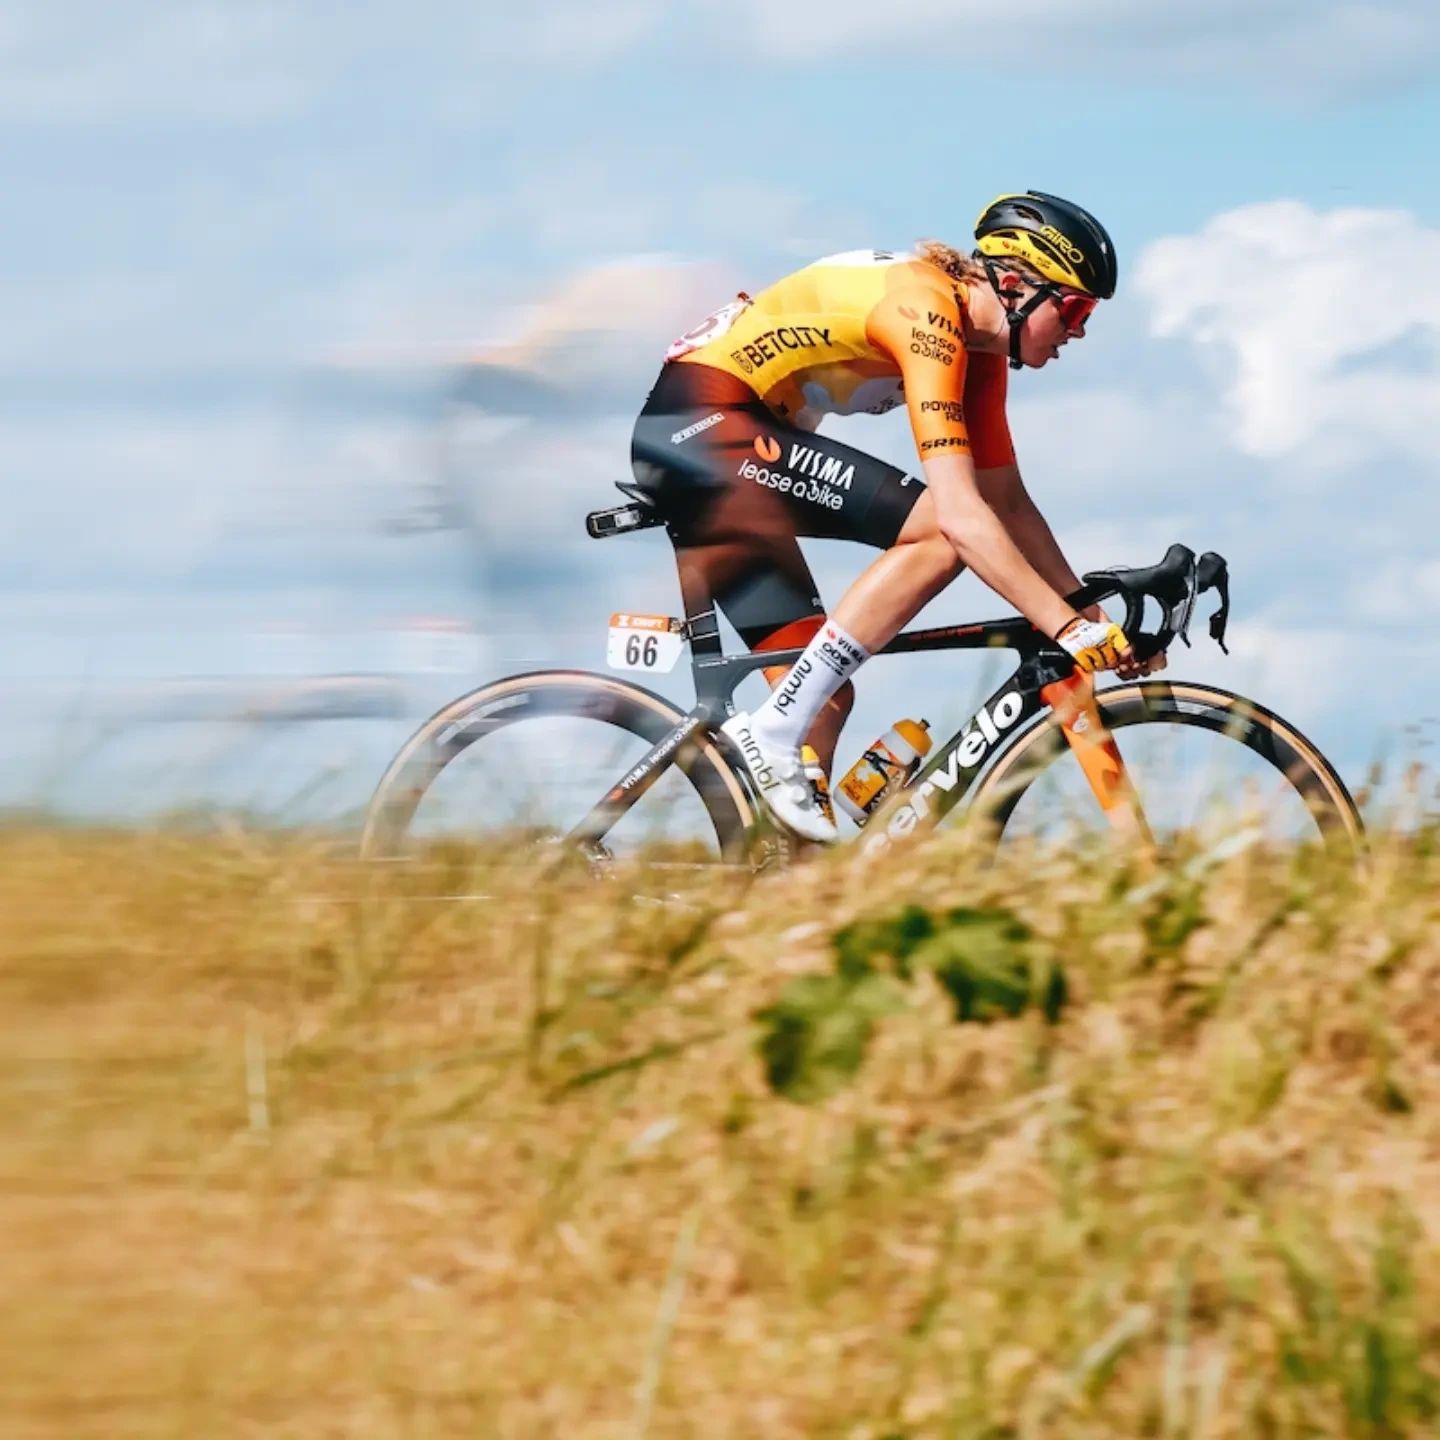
821 478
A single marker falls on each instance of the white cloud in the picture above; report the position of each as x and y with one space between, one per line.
1315 348
1112 436
1399 589
1310 48
407 278
574 32
75 62
1303 672
161 504
212 299
82 61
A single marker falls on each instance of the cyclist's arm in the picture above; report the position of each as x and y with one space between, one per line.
1004 491
921 329
983 543
998 476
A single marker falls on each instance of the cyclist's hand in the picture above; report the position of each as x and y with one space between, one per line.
1095 644
1130 667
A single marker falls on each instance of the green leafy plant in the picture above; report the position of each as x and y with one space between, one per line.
814 1038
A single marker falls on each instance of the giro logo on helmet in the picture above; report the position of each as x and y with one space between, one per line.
1067 247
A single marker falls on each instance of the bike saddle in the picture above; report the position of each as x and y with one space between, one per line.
640 514
630 488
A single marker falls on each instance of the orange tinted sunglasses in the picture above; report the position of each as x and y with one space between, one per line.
1075 309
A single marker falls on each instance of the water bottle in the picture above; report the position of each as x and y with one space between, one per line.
883 768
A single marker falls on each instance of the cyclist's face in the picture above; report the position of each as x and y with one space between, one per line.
1053 324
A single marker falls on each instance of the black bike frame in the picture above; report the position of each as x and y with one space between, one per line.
931 794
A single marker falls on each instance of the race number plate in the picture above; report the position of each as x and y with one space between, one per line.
644 642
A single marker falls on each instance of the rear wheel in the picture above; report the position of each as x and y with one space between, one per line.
509 770
1206 764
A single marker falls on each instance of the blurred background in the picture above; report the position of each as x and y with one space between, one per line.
324 327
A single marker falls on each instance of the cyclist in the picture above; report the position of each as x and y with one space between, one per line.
726 448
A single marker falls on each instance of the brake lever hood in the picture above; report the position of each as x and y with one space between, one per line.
1214 574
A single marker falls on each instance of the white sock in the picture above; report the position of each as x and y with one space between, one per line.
829 660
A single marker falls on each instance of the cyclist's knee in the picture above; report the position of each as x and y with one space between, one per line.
921 537
932 551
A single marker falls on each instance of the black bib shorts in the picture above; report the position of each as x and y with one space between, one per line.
737 486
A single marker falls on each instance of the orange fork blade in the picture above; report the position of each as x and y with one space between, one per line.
1073 701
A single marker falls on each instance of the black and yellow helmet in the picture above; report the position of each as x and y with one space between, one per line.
1063 242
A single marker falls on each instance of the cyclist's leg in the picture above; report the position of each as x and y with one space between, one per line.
824 733
897 585
917 564
738 486
763 584
831 490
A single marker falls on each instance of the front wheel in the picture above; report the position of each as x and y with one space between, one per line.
519 763
1204 762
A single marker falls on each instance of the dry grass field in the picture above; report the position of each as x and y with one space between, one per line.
290 1148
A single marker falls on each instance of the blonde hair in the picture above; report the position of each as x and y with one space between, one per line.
950 260
967 269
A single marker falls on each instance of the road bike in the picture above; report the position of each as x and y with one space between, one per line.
600 765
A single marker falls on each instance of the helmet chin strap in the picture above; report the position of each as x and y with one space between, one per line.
1015 315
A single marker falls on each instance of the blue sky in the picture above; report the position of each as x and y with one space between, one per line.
247 248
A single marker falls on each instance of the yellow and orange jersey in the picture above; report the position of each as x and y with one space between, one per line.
863 332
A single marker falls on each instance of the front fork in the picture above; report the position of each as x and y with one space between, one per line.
1073 701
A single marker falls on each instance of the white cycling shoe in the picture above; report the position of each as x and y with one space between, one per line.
780 777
